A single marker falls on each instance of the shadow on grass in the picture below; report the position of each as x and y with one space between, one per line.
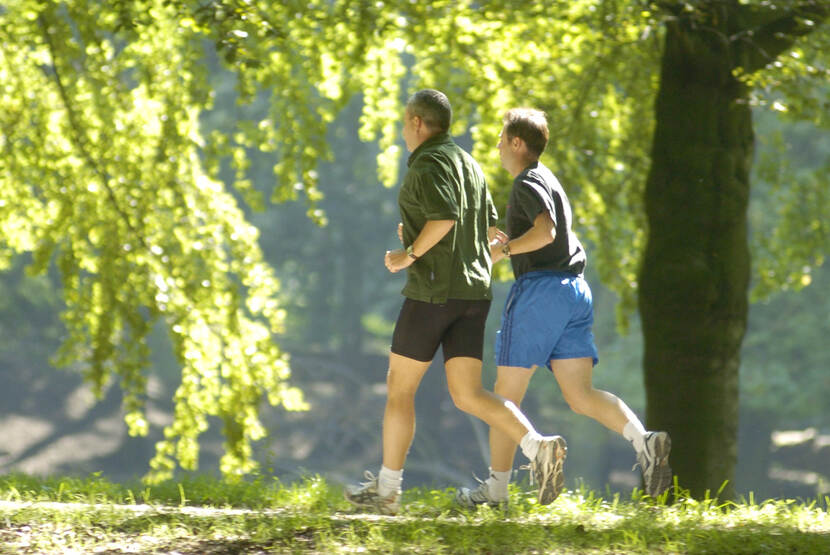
259 533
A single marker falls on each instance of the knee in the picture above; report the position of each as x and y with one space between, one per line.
466 400
577 402
397 392
399 398
463 402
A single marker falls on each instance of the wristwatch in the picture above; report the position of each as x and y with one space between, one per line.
411 253
505 250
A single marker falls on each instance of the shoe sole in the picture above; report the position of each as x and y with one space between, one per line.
371 505
552 480
661 476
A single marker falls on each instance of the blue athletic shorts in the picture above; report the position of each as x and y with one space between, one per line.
548 315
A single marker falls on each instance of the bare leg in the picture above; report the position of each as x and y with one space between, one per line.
402 383
464 380
511 383
574 377
547 454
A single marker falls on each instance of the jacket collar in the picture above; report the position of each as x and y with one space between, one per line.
437 139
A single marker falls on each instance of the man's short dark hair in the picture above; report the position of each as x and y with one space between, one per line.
529 125
433 107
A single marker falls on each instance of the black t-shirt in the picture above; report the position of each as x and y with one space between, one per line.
534 190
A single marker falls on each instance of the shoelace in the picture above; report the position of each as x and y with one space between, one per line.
529 468
636 464
370 478
486 491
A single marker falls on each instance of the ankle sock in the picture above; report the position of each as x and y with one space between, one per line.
389 481
497 484
636 434
530 444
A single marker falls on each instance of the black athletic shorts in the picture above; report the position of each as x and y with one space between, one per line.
457 325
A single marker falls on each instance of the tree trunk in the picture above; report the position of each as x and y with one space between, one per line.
695 274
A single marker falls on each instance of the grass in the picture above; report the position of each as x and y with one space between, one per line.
262 515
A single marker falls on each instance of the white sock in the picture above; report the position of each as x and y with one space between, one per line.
530 444
636 434
389 481
497 484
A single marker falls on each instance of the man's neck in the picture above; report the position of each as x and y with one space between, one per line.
425 139
521 165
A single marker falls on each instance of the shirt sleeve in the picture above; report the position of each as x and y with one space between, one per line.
532 200
437 195
492 213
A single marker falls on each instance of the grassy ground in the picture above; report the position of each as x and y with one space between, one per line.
207 516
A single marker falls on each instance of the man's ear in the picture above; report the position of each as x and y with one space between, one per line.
516 143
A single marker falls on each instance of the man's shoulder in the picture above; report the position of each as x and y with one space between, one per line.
539 173
433 152
427 167
538 176
444 157
452 154
441 150
468 159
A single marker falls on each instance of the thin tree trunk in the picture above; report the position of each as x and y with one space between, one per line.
695 274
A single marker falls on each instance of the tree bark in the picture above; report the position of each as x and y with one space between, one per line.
695 274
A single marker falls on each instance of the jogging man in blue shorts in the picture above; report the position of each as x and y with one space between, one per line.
448 220
548 315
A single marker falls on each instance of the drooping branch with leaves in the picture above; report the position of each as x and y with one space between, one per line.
102 174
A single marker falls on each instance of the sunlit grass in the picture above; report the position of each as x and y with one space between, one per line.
205 515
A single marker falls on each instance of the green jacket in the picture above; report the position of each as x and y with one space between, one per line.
443 182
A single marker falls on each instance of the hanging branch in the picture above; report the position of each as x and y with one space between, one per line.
80 138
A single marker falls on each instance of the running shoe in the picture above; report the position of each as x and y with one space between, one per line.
547 468
366 495
472 498
654 463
